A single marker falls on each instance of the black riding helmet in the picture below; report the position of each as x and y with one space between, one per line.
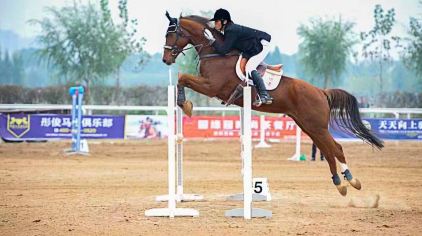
221 14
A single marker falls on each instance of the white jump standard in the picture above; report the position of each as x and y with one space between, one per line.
247 211
296 156
262 124
171 210
180 195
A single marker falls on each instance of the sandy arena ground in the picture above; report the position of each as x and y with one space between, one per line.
43 192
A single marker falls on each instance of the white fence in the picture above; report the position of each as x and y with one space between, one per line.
396 112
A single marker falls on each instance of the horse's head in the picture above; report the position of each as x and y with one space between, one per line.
186 30
176 40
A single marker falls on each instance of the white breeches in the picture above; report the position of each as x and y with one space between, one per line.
254 61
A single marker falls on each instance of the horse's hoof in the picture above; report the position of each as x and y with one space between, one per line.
342 189
355 183
187 108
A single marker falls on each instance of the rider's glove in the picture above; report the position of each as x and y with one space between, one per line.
209 36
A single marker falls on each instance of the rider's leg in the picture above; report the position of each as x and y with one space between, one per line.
251 66
243 65
277 67
260 87
313 154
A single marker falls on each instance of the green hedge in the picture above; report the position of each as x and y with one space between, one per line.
100 95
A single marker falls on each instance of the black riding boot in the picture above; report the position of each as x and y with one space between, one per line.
260 87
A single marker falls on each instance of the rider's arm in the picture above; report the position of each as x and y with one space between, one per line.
227 45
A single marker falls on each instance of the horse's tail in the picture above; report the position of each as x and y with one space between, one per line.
345 113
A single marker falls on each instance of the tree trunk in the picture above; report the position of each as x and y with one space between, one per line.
326 80
87 95
116 99
380 77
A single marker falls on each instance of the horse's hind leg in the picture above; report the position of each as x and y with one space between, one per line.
345 169
327 146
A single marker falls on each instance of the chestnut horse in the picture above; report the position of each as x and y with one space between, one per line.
310 107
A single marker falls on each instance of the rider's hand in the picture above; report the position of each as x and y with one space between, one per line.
209 36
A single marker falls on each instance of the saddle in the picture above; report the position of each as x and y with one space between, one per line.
261 67
271 75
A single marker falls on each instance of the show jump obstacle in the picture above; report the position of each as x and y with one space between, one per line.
172 197
79 146
180 195
174 135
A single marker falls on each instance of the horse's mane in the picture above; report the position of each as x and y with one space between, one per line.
200 19
204 22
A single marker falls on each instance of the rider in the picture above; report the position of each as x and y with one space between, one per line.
252 43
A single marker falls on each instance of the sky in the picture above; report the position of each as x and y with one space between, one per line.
279 18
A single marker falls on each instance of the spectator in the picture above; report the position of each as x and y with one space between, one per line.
314 150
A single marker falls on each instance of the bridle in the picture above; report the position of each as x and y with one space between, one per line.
175 27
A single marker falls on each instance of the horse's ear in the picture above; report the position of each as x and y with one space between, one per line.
168 16
180 15
171 19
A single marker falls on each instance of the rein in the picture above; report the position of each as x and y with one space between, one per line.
178 30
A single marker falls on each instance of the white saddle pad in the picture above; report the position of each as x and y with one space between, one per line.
271 78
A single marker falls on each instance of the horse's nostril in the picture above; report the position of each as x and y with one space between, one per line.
164 60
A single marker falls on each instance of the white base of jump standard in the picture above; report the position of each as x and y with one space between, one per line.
239 197
163 212
181 198
255 213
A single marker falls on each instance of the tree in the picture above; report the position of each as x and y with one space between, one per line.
377 42
2 69
17 69
7 68
82 42
413 51
325 48
128 28
11 68
274 57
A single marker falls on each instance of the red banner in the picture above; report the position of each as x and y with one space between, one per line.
229 127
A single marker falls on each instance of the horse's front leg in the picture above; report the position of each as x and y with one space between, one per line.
196 83
186 105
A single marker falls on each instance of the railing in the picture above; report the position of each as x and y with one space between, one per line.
396 112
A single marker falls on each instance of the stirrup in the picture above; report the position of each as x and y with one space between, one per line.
269 100
258 101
